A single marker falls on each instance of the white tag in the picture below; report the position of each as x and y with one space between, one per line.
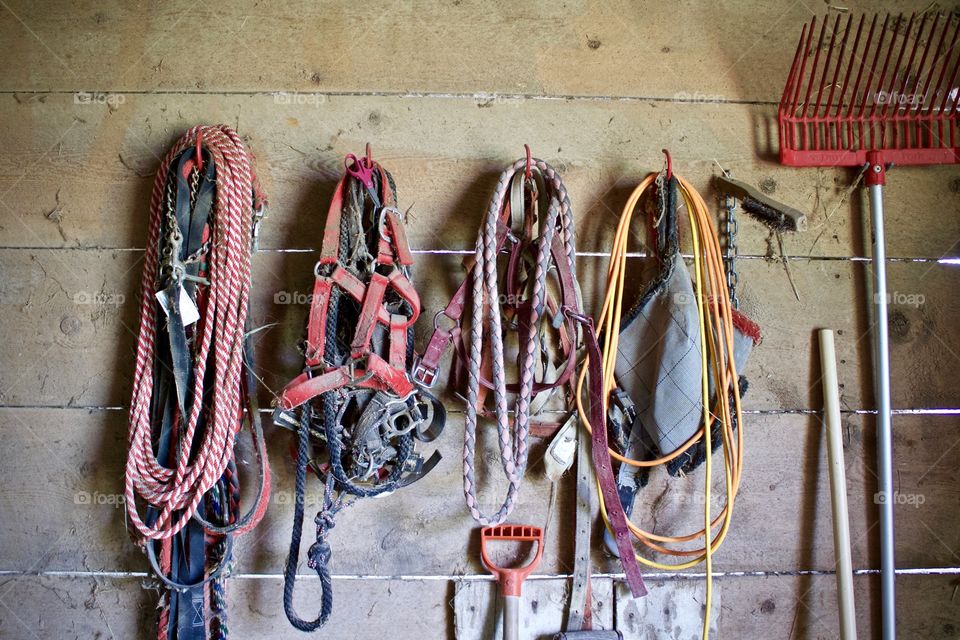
188 310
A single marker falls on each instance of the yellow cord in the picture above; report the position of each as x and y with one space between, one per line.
716 326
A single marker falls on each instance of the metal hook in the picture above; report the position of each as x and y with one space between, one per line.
529 173
669 164
199 152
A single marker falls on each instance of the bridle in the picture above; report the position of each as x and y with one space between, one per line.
536 243
534 227
355 401
193 386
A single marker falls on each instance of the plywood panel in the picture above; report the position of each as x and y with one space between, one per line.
82 173
801 607
701 51
75 317
56 492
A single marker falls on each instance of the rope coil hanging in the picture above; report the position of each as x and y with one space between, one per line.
193 388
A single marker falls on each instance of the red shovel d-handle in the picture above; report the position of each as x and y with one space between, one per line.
510 578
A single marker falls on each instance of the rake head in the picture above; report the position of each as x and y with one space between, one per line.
885 86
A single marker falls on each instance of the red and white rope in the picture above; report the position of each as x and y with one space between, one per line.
181 488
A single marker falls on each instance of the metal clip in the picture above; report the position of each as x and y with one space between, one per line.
259 213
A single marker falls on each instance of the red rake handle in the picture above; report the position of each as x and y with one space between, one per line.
511 578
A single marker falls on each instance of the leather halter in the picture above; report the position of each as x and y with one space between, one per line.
355 401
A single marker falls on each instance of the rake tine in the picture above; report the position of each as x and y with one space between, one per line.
823 79
796 95
826 66
792 78
856 87
874 87
807 50
903 87
936 59
922 123
941 88
833 85
813 69
788 108
846 82
952 91
893 81
836 71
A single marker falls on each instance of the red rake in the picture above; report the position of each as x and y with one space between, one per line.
846 105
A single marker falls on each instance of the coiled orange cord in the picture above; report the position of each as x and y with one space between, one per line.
716 338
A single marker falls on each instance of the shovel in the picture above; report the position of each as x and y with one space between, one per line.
511 579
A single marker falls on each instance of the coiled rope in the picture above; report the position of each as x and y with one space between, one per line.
486 319
193 387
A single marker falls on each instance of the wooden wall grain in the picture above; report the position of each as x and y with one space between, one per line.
92 94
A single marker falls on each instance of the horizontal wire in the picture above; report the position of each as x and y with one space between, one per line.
953 261
695 97
481 577
933 411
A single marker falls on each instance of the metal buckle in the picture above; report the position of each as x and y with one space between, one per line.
624 403
422 375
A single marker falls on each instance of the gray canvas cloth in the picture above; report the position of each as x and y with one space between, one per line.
659 364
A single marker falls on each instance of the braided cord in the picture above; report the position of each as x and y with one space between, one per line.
319 553
486 294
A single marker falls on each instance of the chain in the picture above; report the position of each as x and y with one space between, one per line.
730 252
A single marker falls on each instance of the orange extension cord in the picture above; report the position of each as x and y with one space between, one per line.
716 342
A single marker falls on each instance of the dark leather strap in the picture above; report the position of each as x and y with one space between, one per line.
601 460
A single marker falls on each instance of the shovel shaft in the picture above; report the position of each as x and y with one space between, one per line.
881 379
511 617
838 487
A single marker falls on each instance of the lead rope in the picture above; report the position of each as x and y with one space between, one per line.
486 295
184 420
355 409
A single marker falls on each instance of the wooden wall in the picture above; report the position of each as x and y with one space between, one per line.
93 93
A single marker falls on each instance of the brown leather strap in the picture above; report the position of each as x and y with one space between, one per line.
601 461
